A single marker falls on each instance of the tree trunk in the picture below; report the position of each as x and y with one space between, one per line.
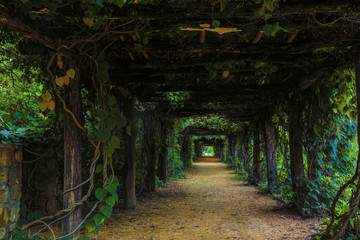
163 158
129 171
72 155
296 154
150 151
270 152
255 176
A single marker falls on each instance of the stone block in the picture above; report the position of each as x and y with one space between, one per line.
14 175
3 177
4 196
3 233
18 155
4 216
16 192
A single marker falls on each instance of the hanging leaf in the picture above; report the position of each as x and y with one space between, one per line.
110 201
66 80
102 114
60 64
99 168
99 194
111 100
111 189
128 130
90 226
225 74
46 97
104 134
106 210
99 219
114 142
109 150
43 106
59 81
88 21
51 105
70 73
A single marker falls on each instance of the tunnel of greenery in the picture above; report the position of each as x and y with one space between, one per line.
116 97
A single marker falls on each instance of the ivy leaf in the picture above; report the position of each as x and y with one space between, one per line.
43 106
225 74
46 97
111 188
66 80
111 123
99 3
114 142
104 134
99 219
110 201
51 105
102 114
109 150
5 133
59 81
99 194
111 100
99 168
138 47
215 23
70 73
90 226
128 130
106 210
60 63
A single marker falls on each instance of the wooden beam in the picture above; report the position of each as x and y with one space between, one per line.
292 37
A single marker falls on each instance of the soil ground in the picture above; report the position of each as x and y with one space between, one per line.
210 204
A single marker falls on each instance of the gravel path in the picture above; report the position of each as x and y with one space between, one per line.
210 204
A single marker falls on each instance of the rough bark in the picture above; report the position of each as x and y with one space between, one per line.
255 176
296 154
270 143
129 171
72 155
150 150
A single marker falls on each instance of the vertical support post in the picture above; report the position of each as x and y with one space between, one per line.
72 154
270 143
163 158
10 187
129 171
150 150
255 176
296 154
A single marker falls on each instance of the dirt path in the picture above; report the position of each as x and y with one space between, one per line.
210 204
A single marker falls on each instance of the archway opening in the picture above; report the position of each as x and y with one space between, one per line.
208 151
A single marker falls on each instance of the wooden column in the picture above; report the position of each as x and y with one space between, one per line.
255 176
72 154
150 150
163 158
270 143
296 154
129 170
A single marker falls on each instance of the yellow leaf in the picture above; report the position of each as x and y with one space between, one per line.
59 81
46 97
60 64
225 74
51 105
66 80
88 22
43 106
70 73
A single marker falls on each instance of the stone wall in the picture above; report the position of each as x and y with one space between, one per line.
10 187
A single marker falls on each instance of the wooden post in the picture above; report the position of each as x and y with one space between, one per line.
129 171
72 154
163 158
150 150
255 176
296 154
270 143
